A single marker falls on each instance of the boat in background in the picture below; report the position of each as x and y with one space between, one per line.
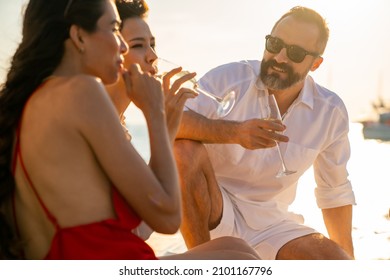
378 128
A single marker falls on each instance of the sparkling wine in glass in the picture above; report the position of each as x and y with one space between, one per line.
271 109
225 103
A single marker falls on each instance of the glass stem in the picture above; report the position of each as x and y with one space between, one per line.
281 157
215 98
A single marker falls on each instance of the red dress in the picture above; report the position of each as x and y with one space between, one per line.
110 239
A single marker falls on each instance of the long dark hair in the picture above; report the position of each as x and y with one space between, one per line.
45 28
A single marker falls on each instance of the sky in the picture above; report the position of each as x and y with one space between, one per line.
202 34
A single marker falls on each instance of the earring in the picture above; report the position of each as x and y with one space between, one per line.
81 50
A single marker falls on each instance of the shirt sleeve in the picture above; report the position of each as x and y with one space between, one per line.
211 83
330 168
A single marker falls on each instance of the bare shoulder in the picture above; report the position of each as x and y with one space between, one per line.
83 85
79 97
82 90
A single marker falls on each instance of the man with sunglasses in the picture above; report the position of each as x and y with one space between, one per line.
228 166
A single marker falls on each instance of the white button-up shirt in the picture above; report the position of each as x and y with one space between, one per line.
317 126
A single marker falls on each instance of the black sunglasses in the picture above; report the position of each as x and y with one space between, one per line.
294 53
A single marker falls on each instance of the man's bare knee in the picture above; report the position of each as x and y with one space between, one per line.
187 148
312 247
189 154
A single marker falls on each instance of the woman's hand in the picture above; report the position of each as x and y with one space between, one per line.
175 97
144 91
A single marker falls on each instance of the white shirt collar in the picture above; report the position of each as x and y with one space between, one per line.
305 96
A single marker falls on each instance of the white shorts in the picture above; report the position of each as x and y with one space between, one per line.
267 242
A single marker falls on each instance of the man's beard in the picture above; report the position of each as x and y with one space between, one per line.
273 81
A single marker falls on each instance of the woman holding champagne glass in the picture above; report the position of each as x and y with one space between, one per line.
141 41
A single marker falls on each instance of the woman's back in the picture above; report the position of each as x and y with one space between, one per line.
60 163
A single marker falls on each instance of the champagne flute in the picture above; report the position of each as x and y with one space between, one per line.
272 112
225 103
